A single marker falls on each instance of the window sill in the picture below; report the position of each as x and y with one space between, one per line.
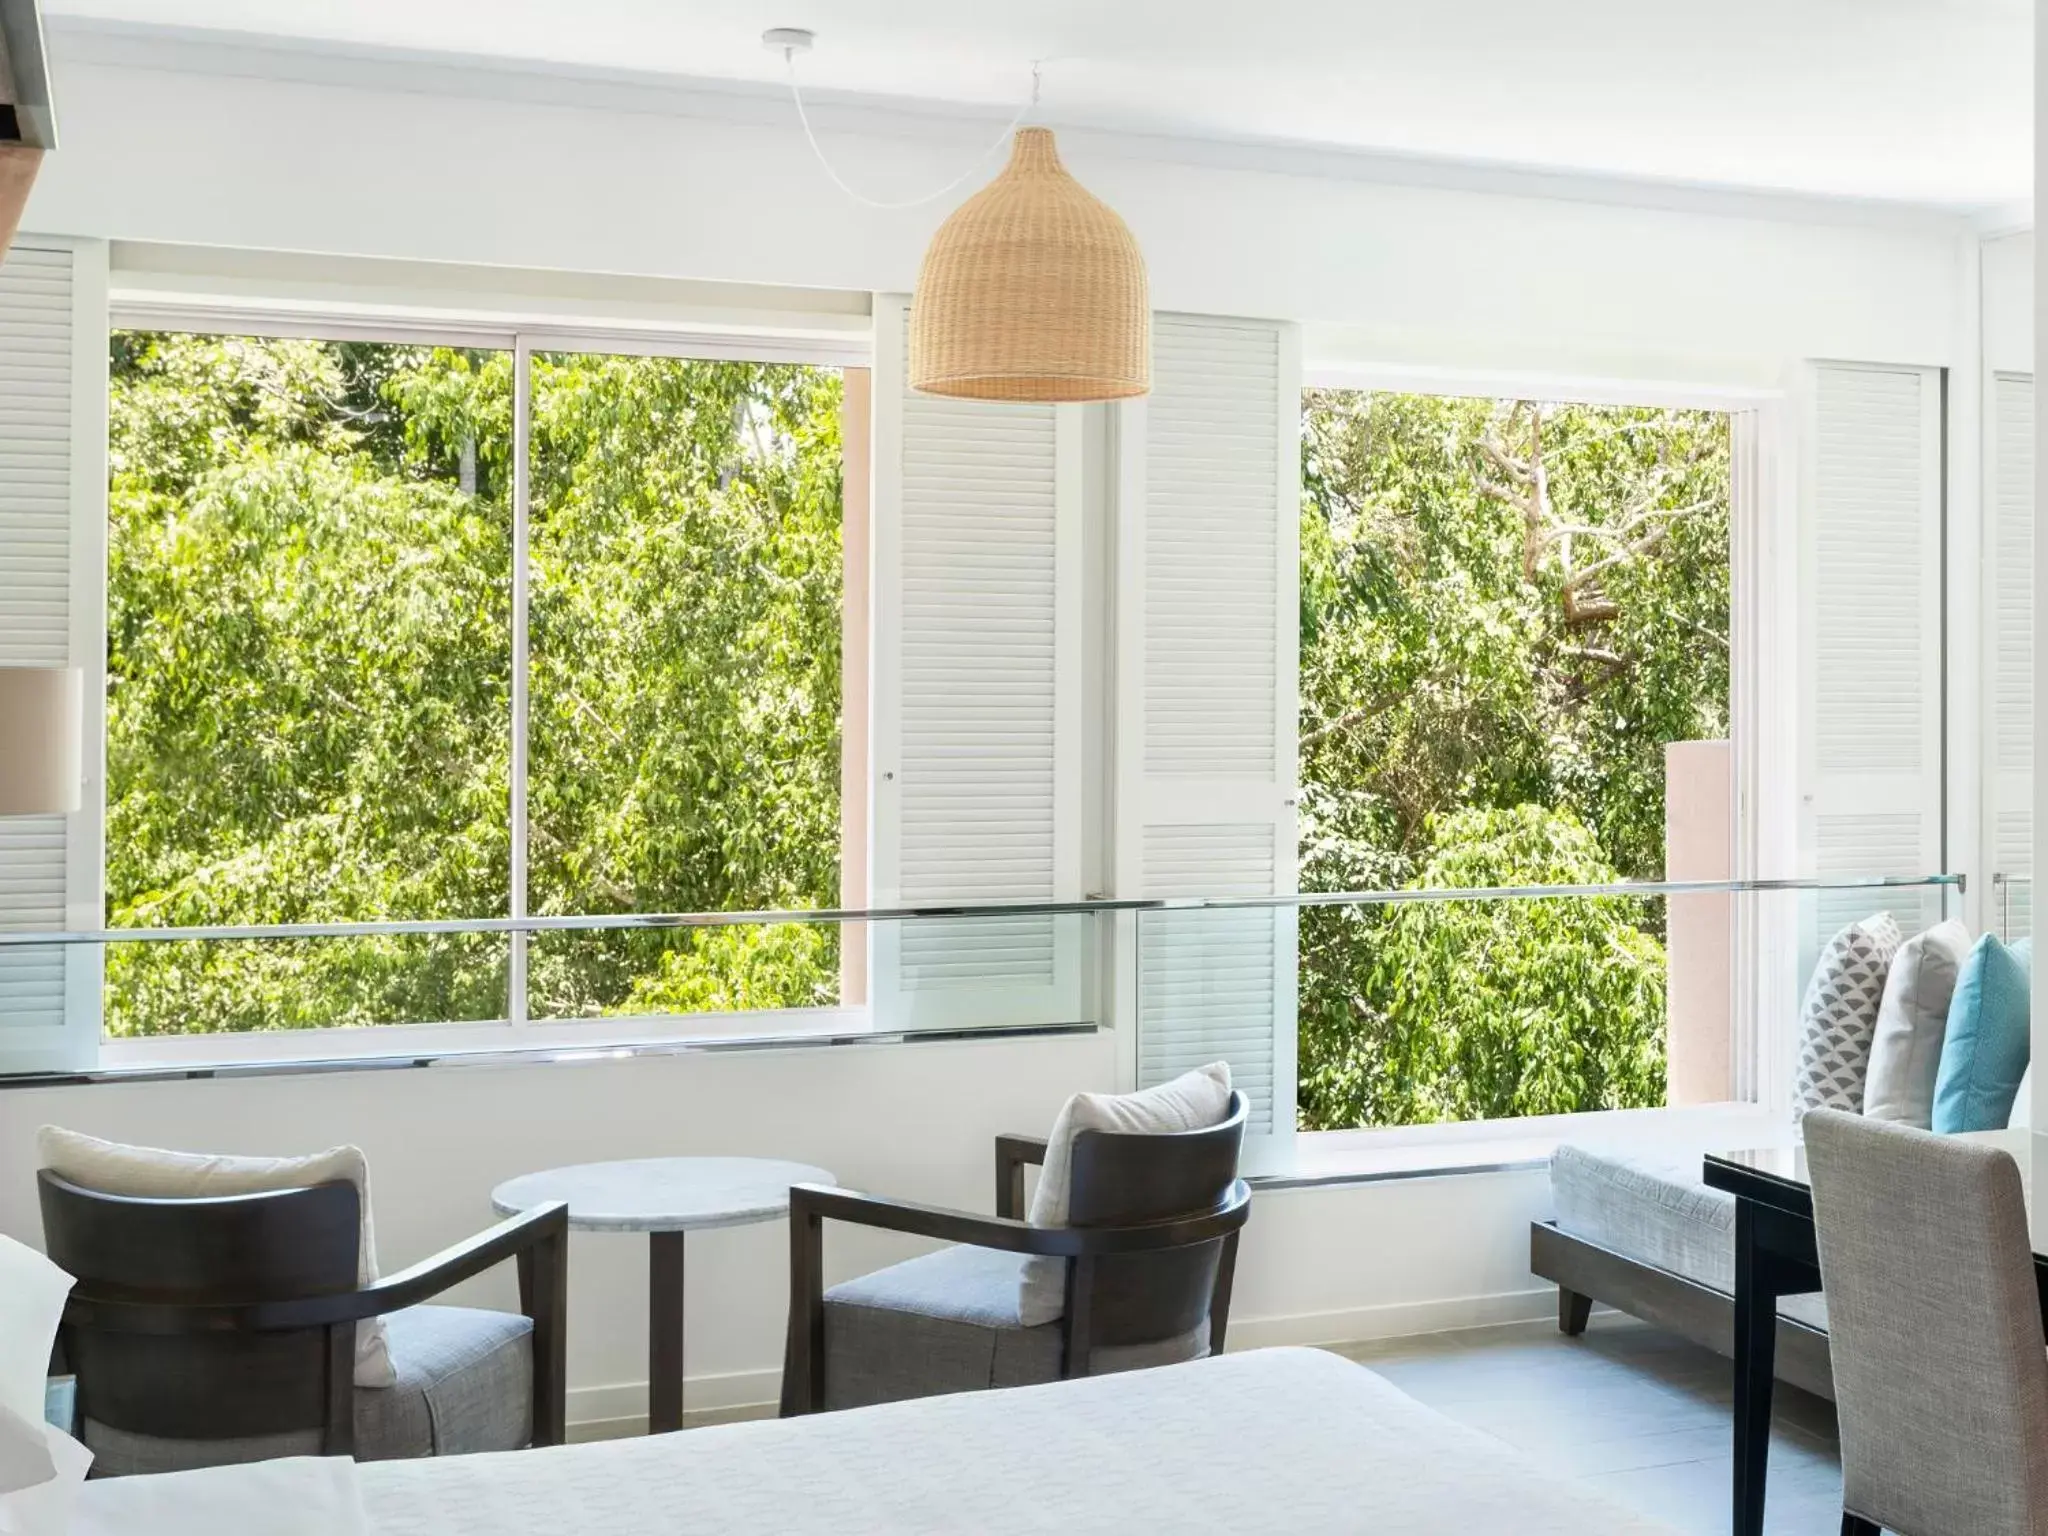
1327 1159
387 1048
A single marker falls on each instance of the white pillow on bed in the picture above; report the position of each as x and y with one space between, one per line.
41 1471
153 1173
32 1293
292 1496
1191 1102
40 1467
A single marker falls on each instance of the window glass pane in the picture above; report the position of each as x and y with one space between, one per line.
309 674
685 693
1508 609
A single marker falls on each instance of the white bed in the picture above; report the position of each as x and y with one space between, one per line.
1292 1439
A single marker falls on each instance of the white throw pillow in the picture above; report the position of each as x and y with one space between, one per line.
41 1471
27 1459
2022 1116
152 1173
289 1496
32 1292
1191 1102
1912 1018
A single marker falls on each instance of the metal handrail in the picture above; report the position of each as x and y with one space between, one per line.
2002 883
605 922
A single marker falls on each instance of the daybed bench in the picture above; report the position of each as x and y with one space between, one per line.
1644 1234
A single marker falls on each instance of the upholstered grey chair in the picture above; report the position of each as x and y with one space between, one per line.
1149 1250
1941 1371
219 1330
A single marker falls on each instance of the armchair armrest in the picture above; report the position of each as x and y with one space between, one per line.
812 1204
514 1237
1012 1154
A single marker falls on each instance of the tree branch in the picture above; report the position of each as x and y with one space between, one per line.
611 890
1349 720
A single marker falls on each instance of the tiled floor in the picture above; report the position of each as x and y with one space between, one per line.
1629 1409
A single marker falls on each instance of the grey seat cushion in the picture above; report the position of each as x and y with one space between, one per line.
465 1383
948 1322
1655 1208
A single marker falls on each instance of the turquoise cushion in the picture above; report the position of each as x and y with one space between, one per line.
1985 1051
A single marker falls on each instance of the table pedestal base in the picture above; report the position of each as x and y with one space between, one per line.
664 1332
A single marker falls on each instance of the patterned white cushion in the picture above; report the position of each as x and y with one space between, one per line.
1839 1016
153 1173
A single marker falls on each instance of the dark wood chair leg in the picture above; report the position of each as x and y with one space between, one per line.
1573 1312
1219 1299
544 1297
803 1352
339 1438
1078 1357
1856 1525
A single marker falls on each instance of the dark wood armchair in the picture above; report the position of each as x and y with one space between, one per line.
1150 1245
215 1330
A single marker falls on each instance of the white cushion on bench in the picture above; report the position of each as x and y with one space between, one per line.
1652 1207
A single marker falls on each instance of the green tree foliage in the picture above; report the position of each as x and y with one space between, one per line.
1507 610
310 670
1488 1008
686 624
1506 607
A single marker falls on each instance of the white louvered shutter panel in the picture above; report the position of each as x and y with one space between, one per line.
1207 680
1872 640
977 752
49 877
2009 655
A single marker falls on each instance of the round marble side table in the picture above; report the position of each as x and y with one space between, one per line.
667 1198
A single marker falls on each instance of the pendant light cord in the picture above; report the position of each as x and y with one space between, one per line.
796 94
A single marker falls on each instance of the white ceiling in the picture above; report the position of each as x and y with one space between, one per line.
1921 100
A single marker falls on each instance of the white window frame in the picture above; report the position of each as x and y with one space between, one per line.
1763 615
2001 789
833 348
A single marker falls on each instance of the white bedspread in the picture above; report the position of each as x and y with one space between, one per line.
1290 1440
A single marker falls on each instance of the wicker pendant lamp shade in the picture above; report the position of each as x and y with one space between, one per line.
1033 290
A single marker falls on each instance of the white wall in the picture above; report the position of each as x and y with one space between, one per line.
2009 304
430 164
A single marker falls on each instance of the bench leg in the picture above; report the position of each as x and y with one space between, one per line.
1573 1311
